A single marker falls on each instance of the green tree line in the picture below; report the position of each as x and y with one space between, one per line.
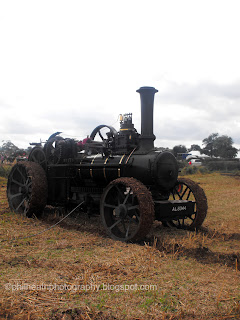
214 146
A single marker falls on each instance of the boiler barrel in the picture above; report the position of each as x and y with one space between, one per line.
152 169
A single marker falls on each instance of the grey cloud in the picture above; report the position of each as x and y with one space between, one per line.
181 130
187 94
4 105
73 122
217 101
23 126
78 120
192 130
182 113
206 108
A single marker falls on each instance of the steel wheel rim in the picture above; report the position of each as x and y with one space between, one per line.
188 190
27 188
20 190
120 212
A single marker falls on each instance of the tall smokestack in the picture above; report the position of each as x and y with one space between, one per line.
147 137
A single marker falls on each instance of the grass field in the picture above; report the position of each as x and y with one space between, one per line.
74 271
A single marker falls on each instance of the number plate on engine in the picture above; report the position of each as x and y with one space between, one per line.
174 208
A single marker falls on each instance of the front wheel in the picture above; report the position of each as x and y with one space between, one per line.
189 190
127 209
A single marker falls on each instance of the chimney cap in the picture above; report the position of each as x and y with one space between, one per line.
147 88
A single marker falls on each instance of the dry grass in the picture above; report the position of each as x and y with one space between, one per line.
196 274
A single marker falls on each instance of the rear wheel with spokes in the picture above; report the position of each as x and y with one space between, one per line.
127 209
27 188
189 190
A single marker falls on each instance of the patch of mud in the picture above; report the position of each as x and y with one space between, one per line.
77 314
216 234
202 253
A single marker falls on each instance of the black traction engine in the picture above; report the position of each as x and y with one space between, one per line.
133 182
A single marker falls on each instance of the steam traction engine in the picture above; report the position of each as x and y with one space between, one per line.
133 182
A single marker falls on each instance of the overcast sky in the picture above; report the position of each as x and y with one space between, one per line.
72 65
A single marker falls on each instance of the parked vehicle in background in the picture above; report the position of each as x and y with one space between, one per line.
195 162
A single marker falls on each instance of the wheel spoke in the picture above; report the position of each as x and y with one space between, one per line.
195 207
26 182
15 195
177 193
99 132
24 178
181 197
29 184
120 193
133 207
126 198
17 182
21 203
109 205
189 194
115 223
137 216
173 194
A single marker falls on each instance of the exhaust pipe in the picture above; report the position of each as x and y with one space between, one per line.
147 137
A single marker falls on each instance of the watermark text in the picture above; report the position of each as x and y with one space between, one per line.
79 287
